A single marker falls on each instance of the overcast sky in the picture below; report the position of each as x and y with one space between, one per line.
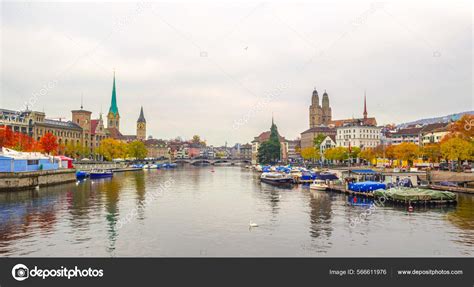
220 69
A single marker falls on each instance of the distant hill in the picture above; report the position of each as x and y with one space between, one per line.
444 119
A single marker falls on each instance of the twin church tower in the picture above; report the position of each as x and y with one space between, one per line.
319 114
113 119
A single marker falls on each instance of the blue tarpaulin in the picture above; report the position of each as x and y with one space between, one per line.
366 186
363 171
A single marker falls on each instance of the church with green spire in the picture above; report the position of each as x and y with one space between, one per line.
113 117
113 121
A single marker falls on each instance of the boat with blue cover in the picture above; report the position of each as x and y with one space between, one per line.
101 174
366 186
80 174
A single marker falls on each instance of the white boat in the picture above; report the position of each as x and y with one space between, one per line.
145 166
319 184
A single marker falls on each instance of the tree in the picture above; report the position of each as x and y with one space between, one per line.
111 148
407 151
367 154
17 140
457 149
462 128
318 140
336 153
310 153
49 143
354 153
137 149
431 152
269 151
390 152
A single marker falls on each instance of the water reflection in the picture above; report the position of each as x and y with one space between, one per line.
463 217
111 190
321 228
211 209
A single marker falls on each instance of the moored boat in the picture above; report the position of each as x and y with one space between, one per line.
319 184
100 174
276 178
80 174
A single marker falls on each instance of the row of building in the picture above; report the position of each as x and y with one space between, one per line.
81 130
360 132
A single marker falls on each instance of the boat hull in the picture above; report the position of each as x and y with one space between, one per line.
318 187
100 175
277 181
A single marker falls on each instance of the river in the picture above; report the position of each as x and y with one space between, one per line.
205 211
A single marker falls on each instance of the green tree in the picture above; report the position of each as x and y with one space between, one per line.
269 151
137 150
318 140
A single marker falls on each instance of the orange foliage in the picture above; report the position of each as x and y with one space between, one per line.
17 141
49 143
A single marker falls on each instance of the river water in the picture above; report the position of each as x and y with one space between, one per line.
205 211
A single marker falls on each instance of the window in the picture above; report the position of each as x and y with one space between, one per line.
32 162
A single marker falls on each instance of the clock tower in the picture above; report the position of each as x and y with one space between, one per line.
141 126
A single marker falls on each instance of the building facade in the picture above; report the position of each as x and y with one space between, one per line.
358 135
307 137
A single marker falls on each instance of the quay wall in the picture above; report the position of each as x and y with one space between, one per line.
12 181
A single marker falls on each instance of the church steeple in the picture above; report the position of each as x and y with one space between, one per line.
141 126
365 106
113 104
113 117
141 118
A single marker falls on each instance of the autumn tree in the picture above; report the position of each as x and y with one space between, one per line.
367 154
49 143
432 152
457 149
336 153
111 149
137 150
310 153
407 151
462 128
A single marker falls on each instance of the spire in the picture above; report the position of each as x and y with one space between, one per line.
141 118
113 104
365 105
82 101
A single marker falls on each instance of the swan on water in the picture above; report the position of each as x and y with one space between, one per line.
252 224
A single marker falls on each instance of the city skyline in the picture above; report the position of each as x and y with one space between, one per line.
196 70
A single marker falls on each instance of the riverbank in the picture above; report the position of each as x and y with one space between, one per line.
14 181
